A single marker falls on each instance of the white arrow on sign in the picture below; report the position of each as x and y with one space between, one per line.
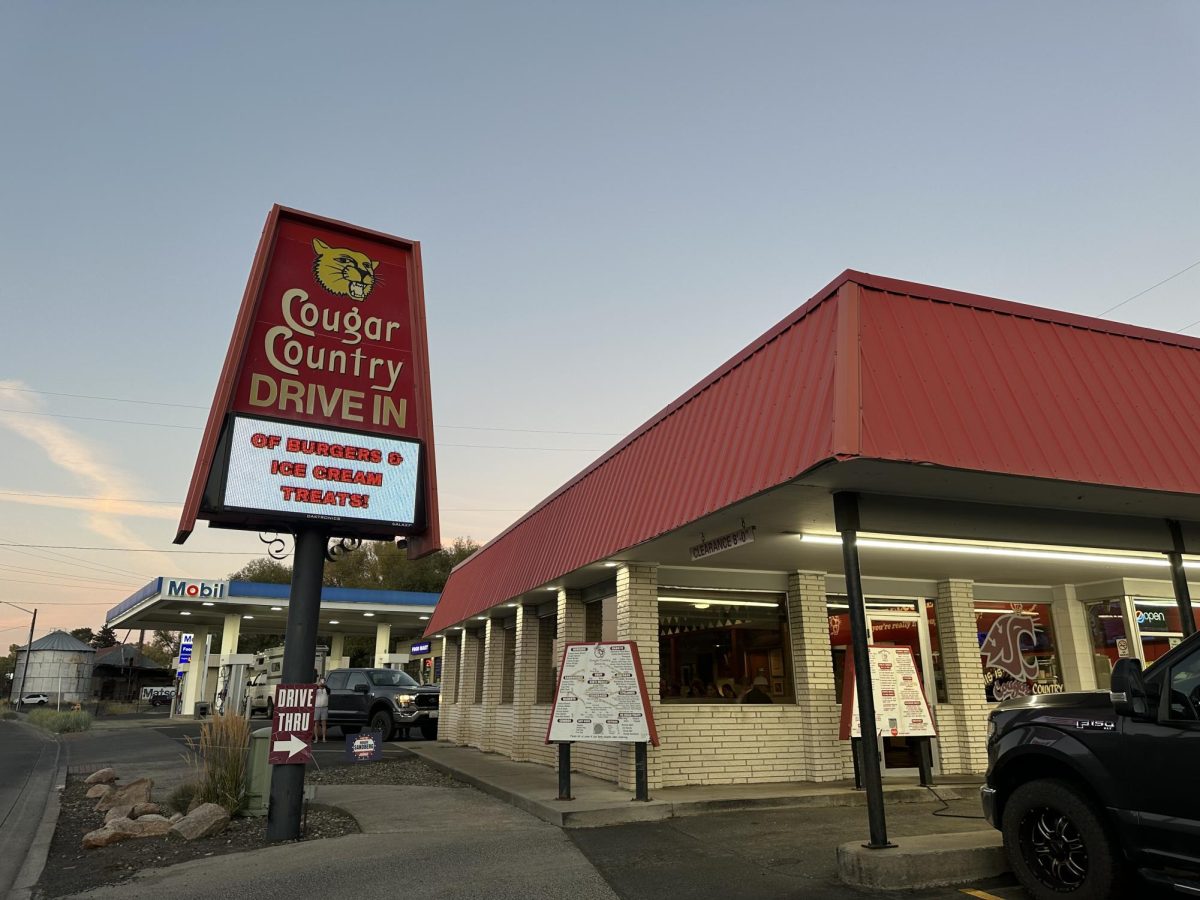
291 746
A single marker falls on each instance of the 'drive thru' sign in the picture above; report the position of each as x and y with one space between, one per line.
292 727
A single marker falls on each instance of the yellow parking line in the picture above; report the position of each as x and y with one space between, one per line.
982 895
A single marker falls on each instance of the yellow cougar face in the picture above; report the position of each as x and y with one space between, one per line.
345 273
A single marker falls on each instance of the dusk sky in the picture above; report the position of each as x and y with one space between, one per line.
612 199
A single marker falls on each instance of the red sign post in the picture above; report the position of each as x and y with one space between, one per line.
292 727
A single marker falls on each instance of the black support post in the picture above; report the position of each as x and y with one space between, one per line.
640 772
564 771
845 513
299 652
925 760
1183 594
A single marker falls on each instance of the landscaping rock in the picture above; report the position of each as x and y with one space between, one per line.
118 812
175 818
142 809
149 826
104 776
132 794
123 828
96 791
206 819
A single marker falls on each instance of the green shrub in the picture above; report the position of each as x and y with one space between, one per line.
222 761
8 714
113 708
60 722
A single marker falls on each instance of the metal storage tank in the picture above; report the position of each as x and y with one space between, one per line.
61 667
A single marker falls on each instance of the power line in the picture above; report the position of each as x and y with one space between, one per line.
1152 287
179 502
130 549
195 406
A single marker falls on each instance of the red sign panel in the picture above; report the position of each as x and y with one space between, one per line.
292 727
331 336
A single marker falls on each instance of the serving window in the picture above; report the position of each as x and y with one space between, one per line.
719 646
1017 649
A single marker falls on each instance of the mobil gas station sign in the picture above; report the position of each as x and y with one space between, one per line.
323 413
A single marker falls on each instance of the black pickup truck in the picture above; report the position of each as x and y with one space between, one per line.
385 700
1088 787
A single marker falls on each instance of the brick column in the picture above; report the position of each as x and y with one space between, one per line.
812 670
637 620
962 722
449 719
1072 640
525 680
493 677
571 618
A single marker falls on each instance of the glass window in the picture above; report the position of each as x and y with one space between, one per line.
356 678
1185 689
1160 625
1106 624
716 648
1017 649
392 678
547 665
337 681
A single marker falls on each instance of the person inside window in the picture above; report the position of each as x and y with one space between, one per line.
758 692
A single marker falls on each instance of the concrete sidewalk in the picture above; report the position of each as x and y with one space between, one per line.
534 788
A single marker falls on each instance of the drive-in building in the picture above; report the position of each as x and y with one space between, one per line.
1021 480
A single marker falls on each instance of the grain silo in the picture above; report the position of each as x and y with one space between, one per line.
60 667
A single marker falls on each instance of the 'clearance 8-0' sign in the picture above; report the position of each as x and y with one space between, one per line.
323 408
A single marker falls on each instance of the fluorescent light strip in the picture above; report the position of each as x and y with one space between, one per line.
980 550
713 602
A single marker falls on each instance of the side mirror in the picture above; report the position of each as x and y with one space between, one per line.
360 688
1128 689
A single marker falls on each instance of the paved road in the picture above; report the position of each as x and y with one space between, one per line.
28 759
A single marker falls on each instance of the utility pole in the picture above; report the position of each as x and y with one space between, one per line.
28 649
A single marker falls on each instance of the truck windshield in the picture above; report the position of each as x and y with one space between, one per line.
391 678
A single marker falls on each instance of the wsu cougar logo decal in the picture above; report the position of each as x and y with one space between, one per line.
1001 648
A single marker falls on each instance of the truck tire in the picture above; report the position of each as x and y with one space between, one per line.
429 730
381 721
1059 845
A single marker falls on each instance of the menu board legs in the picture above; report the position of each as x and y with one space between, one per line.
640 769
564 771
299 651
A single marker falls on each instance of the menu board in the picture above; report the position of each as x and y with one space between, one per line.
901 709
601 696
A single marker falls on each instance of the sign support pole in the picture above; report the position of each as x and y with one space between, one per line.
300 649
564 771
641 776
1183 595
845 513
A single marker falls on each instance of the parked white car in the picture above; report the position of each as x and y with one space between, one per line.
35 700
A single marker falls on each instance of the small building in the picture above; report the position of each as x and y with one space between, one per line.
60 666
121 671
1021 485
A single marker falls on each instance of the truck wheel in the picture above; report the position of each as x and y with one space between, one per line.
429 730
1059 844
382 722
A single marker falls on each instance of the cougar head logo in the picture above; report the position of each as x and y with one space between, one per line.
343 272
1001 648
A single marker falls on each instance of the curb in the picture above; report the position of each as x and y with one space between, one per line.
924 861
39 850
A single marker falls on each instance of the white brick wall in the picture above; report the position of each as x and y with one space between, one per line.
962 722
637 620
1072 640
816 693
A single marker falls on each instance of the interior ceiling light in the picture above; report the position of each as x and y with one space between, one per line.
334 622
247 617
513 604
552 589
990 550
610 565
707 601
702 605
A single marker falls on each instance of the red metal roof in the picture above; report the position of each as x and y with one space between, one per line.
878 368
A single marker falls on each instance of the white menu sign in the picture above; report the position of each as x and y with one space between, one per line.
601 696
901 709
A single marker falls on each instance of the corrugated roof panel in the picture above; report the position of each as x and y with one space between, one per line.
698 455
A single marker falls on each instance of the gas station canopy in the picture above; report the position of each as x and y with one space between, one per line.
188 604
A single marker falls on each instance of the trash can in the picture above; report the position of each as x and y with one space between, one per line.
258 779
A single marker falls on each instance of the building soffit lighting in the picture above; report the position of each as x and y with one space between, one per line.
993 549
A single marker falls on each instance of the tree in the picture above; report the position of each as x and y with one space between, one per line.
105 637
83 634
264 571
161 647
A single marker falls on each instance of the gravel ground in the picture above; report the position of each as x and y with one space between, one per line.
390 770
70 868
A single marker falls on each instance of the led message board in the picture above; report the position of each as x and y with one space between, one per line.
320 473
329 348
